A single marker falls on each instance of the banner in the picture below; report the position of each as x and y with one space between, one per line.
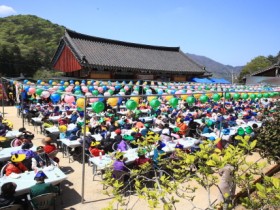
2 92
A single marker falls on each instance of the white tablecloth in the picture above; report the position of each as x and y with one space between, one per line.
71 144
26 180
146 119
5 154
12 134
131 154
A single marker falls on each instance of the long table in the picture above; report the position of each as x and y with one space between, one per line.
104 161
26 180
5 154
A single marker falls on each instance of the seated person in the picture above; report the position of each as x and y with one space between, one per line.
18 141
42 159
50 149
48 146
41 187
119 163
158 152
88 140
26 149
16 166
27 134
174 154
7 196
142 159
94 149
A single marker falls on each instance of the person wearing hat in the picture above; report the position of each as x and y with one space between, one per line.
249 131
48 146
16 166
7 196
119 163
94 150
41 159
26 149
41 187
63 120
124 145
158 152
142 159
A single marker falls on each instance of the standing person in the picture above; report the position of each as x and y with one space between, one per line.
41 187
226 185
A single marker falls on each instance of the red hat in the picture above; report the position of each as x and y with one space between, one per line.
118 131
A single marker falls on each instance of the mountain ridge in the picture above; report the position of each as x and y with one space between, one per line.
218 70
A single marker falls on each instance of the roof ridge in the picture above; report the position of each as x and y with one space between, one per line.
74 34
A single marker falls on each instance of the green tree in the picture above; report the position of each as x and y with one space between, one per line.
167 184
254 65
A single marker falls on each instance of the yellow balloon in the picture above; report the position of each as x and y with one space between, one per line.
209 95
77 83
28 83
88 82
80 102
66 83
196 95
184 97
54 83
149 98
112 101
42 83
168 97
136 99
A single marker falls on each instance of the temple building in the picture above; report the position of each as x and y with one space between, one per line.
84 56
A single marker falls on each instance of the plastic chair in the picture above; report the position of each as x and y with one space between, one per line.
13 207
53 154
45 201
3 169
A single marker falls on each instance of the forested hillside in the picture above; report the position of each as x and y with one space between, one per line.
27 43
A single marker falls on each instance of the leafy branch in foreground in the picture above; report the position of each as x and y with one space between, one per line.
167 182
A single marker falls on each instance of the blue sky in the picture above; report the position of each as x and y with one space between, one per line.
229 31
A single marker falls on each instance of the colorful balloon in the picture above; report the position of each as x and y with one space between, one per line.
245 96
190 100
203 99
112 101
216 97
173 102
236 96
80 102
131 104
97 107
155 103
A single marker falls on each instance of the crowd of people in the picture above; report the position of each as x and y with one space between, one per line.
164 124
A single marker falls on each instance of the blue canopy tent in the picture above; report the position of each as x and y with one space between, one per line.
201 80
219 80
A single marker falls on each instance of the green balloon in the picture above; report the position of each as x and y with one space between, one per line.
265 95
155 103
173 102
131 104
228 96
190 99
207 88
271 94
97 107
236 96
216 97
39 92
95 92
203 99
199 88
259 95
245 96
111 92
78 92
209 122
253 96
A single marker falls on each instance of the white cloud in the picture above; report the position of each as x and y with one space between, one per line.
6 11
